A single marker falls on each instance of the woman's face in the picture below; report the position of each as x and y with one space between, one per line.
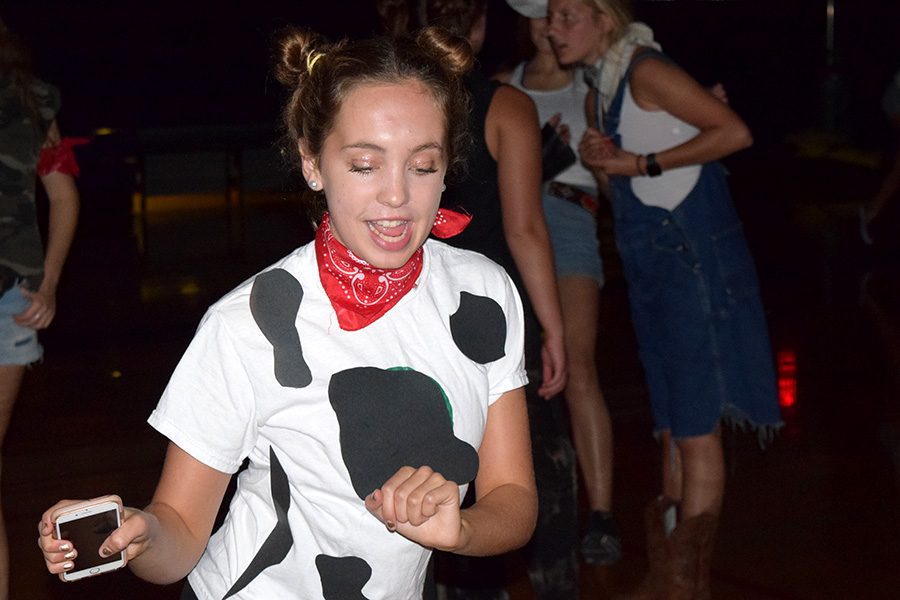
537 29
382 170
578 33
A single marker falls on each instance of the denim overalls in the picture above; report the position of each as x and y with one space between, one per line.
695 303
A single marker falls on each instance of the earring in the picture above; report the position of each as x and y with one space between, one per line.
313 184
444 188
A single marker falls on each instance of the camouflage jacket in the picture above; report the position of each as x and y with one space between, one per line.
21 248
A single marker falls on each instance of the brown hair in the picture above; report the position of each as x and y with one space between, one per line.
320 75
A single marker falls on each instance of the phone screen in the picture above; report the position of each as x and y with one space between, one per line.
87 533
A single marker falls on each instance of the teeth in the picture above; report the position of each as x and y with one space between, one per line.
375 227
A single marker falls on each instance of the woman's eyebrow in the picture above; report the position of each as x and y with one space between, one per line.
377 148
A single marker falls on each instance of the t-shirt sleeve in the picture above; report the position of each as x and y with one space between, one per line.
208 407
508 372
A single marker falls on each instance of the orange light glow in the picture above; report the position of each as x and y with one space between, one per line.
787 378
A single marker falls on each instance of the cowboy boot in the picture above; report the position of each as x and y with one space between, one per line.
690 554
653 586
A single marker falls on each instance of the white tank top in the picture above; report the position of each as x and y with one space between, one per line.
645 131
569 102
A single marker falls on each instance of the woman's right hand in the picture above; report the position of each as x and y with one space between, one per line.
562 129
133 536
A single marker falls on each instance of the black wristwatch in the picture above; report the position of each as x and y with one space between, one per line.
653 168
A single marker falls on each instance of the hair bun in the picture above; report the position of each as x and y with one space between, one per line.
297 51
453 51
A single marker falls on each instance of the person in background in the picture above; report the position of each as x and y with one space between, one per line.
367 377
570 205
501 191
692 285
30 148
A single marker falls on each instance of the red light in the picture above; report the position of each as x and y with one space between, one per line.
786 361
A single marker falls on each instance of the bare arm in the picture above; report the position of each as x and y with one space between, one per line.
516 146
505 511
179 519
63 218
657 85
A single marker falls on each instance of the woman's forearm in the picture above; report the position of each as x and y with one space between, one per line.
708 145
533 255
172 549
63 219
501 521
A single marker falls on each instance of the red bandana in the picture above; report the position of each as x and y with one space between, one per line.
359 292
448 223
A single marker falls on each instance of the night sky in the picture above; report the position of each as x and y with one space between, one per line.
136 65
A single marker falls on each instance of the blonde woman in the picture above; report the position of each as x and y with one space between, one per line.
692 284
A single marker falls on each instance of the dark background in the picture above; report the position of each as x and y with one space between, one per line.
133 64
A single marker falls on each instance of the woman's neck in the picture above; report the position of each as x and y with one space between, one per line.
542 72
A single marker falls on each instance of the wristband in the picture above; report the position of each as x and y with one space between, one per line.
653 168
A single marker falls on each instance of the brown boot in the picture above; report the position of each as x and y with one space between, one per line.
653 586
690 554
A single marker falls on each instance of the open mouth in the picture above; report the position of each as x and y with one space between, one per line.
389 231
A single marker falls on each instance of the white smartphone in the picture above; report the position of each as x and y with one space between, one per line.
86 524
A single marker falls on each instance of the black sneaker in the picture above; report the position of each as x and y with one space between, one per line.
601 545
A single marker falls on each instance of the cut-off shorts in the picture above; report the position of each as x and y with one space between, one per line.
18 345
573 234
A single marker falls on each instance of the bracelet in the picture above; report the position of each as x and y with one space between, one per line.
637 162
653 168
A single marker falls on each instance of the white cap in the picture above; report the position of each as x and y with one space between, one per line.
533 9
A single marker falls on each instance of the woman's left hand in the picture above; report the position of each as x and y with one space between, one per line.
420 505
40 312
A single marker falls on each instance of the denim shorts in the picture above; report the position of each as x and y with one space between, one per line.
573 234
18 345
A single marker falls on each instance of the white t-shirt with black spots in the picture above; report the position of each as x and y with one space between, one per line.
325 415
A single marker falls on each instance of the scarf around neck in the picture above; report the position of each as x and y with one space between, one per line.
605 75
361 293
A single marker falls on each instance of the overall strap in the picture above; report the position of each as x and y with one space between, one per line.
611 117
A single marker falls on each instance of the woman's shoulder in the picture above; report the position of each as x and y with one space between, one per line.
512 104
651 69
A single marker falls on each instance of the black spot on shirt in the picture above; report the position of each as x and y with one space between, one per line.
343 578
394 418
274 302
479 328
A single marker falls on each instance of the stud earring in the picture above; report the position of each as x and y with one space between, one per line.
314 184
444 188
